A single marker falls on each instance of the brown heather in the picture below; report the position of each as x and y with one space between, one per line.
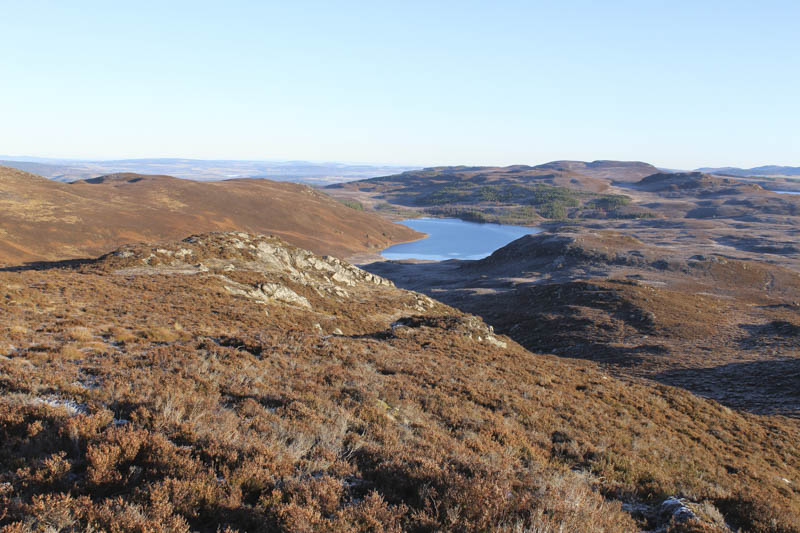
253 415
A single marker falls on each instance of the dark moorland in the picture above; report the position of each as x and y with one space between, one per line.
724 328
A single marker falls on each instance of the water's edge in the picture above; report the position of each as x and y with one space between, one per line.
449 238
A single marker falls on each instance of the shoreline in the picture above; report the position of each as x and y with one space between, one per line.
365 258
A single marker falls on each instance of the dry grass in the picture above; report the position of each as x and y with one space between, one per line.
122 335
80 333
17 330
263 423
159 334
6 348
71 352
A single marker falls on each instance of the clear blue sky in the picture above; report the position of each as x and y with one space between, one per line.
676 83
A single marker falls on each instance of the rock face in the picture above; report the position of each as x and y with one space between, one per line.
270 292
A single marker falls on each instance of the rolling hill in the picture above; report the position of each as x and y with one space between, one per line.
42 219
516 194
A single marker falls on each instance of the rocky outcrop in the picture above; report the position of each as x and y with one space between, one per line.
679 514
288 268
236 251
470 327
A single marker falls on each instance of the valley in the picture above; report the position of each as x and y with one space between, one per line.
703 293
400 267
720 327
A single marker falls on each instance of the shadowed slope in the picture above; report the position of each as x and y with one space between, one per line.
662 312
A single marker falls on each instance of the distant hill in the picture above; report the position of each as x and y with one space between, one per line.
615 171
517 194
49 170
765 170
688 181
706 196
42 219
203 170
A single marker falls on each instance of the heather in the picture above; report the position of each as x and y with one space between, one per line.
166 391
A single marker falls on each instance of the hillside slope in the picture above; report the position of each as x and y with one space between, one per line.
235 381
46 220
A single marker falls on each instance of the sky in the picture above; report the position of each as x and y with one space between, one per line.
679 84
